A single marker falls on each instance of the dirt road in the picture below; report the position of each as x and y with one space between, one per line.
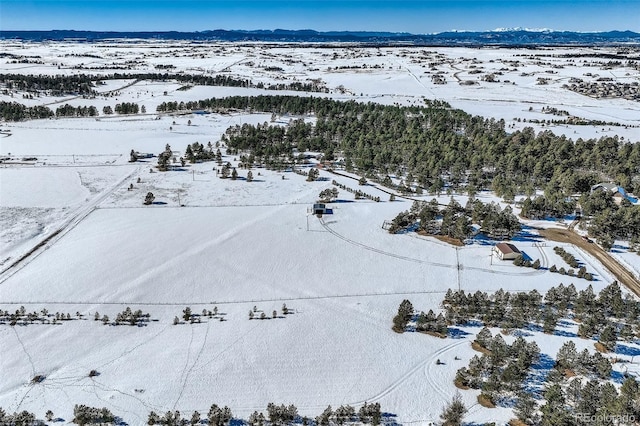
620 272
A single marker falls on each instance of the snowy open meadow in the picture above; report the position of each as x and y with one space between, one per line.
76 238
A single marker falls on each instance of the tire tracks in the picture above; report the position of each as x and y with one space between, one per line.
195 362
413 370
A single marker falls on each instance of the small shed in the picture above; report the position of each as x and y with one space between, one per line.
319 209
506 251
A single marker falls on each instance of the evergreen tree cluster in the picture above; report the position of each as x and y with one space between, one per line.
502 368
277 415
281 414
52 85
430 322
328 195
85 415
367 414
494 221
501 309
569 363
517 310
22 418
573 263
610 221
357 192
541 207
567 257
22 317
81 111
575 402
127 108
14 111
521 261
312 175
130 317
454 221
197 153
577 392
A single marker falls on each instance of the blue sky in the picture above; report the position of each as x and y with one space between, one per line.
415 16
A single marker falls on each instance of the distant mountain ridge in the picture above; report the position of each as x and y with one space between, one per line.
499 37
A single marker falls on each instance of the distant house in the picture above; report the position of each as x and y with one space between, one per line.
319 209
506 251
144 155
617 192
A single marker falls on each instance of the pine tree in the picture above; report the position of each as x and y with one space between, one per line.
234 174
148 199
608 337
454 411
525 408
186 313
324 418
249 176
313 175
219 416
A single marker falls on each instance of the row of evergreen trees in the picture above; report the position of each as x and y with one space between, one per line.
518 310
67 110
84 84
277 415
14 111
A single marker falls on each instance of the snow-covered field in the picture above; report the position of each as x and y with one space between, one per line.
209 242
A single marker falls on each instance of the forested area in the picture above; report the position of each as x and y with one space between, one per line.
54 85
432 146
571 389
85 84
436 148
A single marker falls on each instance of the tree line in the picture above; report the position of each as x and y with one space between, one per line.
276 415
85 84
434 142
